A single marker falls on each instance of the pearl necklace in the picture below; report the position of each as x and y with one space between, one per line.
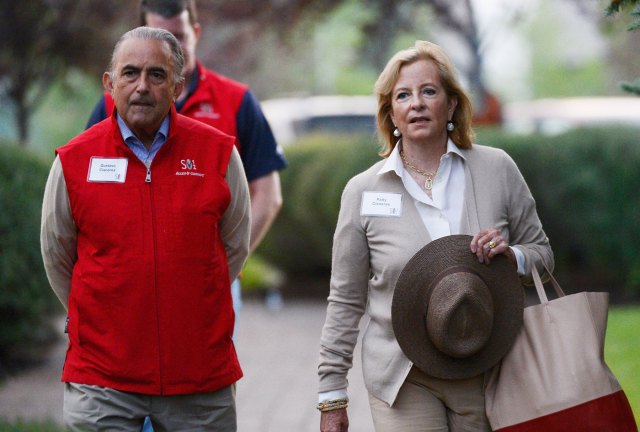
428 182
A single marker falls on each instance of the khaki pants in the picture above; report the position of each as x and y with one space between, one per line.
93 408
430 404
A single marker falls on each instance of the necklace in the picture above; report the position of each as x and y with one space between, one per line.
428 182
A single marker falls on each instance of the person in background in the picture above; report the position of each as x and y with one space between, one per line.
224 104
145 222
435 183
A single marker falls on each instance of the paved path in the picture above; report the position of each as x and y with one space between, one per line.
278 352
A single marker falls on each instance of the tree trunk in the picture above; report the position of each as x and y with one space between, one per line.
476 80
22 122
464 24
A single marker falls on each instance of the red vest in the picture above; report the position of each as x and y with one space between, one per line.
215 102
150 306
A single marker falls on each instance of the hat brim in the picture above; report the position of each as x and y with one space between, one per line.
411 299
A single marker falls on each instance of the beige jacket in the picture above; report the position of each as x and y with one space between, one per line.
369 253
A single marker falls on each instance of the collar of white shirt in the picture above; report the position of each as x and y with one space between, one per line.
441 213
394 161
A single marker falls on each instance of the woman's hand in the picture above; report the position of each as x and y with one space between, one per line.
488 243
334 421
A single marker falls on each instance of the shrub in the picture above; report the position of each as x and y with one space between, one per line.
319 168
26 301
258 275
585 183
29 426
587 189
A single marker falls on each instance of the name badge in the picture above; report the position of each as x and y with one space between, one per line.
381 204
107 170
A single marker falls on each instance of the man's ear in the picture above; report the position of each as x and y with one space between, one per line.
107 82
197 30
178 89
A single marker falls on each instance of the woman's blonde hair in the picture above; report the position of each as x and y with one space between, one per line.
462 135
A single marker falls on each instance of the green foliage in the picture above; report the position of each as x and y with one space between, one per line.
319 168
22 426
585 183
52 126
336 40
358 80
550 79
622 351
25 296
570 68
632 87
259 274
586 187
43 39
617 6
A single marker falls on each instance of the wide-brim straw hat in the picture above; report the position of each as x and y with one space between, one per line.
454 317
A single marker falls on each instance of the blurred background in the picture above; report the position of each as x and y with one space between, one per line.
553 83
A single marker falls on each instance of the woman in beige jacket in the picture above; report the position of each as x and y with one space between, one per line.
432 182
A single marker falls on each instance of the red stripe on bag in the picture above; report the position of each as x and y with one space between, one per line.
610 413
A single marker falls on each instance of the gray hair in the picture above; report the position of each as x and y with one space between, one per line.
149 33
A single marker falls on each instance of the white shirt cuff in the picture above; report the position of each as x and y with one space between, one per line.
519 259
332 395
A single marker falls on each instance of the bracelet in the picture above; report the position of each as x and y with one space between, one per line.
333 405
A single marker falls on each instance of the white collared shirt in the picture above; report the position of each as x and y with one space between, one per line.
442 212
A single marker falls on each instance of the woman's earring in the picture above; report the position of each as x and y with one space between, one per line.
450 126
396 133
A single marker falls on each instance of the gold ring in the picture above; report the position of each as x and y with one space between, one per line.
492 244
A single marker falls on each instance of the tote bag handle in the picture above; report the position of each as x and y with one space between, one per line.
537 281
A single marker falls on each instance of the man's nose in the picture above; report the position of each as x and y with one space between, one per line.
143 84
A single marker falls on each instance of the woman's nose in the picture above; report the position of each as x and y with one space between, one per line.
417 102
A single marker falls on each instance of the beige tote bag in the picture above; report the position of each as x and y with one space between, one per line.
555 377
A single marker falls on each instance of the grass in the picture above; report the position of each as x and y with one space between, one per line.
21 426
622 351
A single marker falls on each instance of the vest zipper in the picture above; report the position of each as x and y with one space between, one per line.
155 278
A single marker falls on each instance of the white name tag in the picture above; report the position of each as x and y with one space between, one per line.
381 204
107 170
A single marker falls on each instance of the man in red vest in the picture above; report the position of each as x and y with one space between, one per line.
224 104
145 222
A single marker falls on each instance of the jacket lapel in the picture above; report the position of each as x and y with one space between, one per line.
469 223
414 229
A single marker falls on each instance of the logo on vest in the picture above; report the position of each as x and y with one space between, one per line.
188 164
188 168
206 110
